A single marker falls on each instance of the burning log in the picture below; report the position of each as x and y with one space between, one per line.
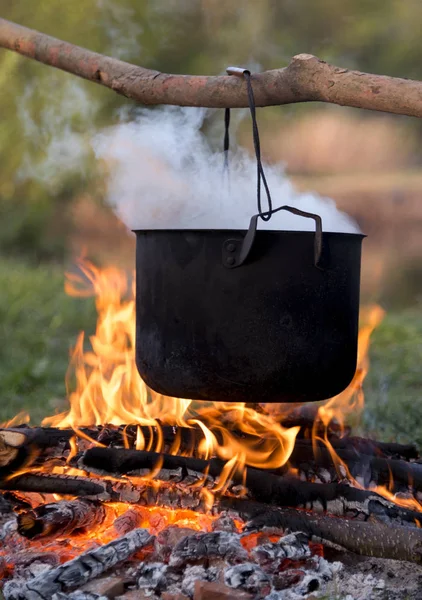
142 493
41 438
337 499
368 539
65 485
21 446
380 470
360 537
373 447
60 518
80 570
25 446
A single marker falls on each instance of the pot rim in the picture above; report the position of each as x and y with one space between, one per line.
244 231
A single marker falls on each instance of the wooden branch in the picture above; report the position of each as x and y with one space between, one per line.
305 79
368 539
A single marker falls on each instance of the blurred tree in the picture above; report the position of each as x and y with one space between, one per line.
48 116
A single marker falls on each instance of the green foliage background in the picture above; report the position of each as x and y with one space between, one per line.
191 36
39 104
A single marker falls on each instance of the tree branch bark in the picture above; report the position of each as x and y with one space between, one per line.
305 79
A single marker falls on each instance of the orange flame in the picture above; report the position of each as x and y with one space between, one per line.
351 400
104 387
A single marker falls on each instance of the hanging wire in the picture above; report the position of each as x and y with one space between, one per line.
226 138
265 215
257 145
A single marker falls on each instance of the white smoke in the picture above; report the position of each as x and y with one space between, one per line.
121 27
53 146
163 174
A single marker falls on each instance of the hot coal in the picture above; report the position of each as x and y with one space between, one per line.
182 560
195 573
294 546
202 547
78 571
152 576
60 518
249 577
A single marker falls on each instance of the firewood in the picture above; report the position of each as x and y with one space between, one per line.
270 488
43 437
46 483
60 518
364 446
368 539
24 446
20 446
376 448
379 470
80 570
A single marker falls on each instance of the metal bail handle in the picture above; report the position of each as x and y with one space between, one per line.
236 252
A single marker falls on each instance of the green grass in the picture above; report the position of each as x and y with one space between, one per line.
39 324
393 388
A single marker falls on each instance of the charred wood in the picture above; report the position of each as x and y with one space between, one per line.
23 445
144 493
42 437
368 469
53 484
365 446
5 506
337 499
80 570
61 518
16 501
368 539
201 547
307 418
375 448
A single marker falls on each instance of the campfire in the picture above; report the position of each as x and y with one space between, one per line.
136 495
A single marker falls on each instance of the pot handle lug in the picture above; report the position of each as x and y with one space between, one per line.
236 252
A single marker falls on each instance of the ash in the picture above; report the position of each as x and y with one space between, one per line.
180 563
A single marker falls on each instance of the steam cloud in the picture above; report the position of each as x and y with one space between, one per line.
163 174
63 150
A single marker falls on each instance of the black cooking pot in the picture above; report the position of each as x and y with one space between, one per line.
257 316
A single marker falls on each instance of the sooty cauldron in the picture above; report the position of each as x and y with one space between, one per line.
248 316
278 328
